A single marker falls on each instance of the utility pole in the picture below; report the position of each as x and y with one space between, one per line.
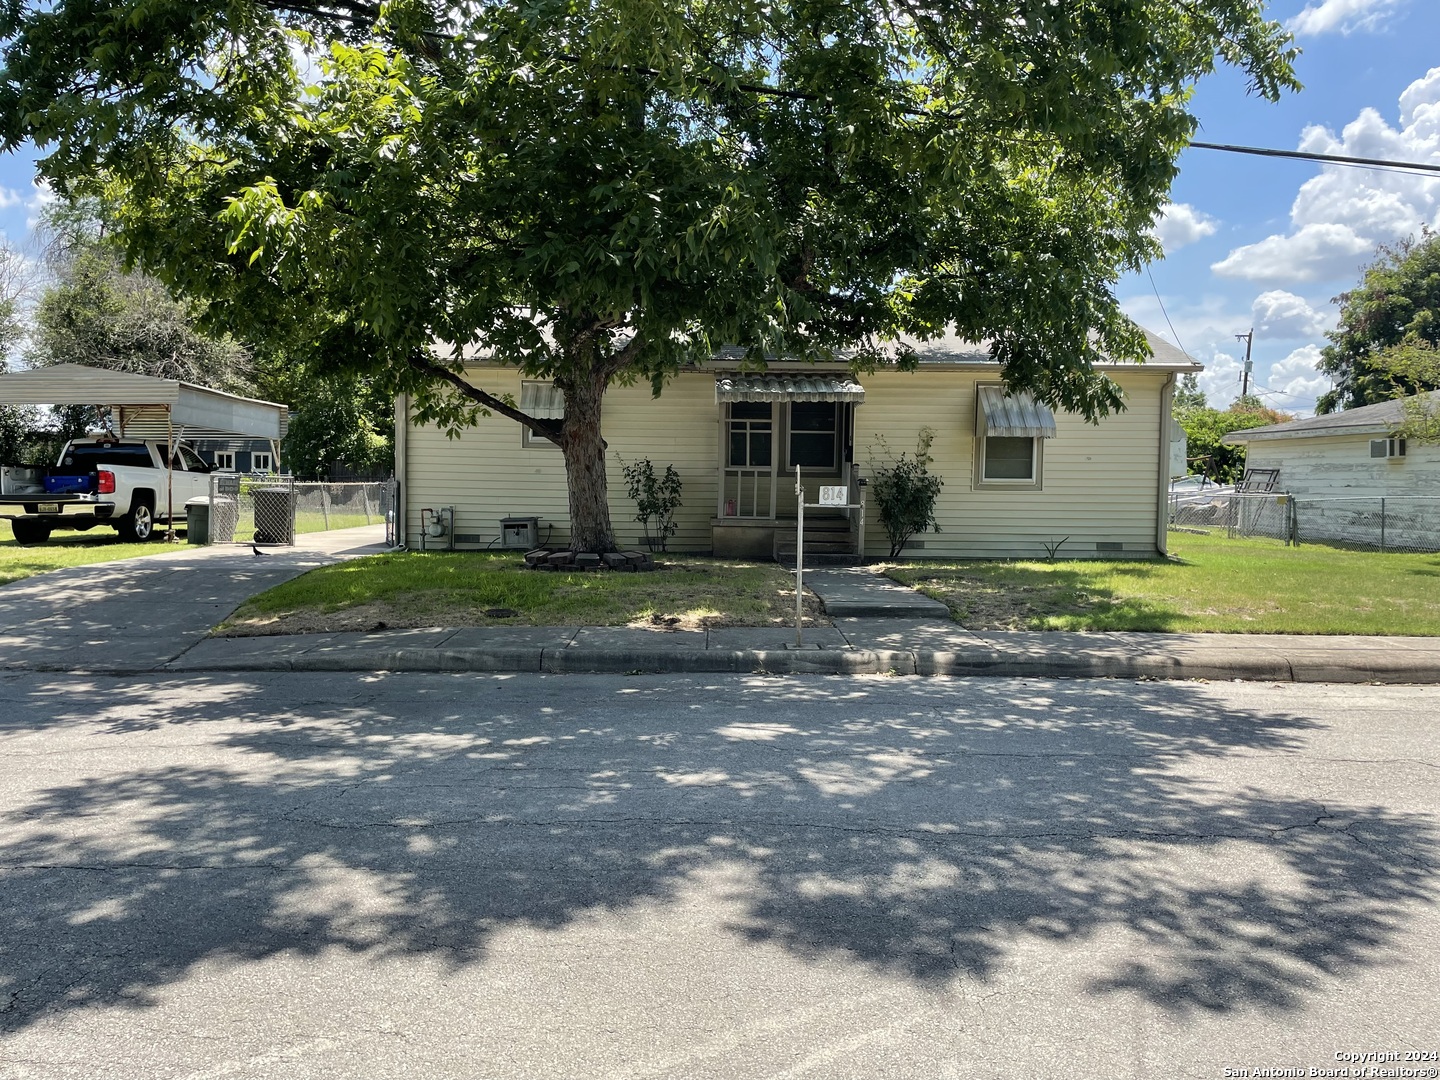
1248 339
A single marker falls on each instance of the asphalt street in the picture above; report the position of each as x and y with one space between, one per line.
525 876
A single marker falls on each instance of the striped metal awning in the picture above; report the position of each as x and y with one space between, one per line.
1014 415
543 401
787 388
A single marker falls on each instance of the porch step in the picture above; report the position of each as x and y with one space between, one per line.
819 532
841 546
816 558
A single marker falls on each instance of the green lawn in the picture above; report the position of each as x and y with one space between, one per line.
66 549
493 588
1210 584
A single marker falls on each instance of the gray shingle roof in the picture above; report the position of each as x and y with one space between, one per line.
1366 420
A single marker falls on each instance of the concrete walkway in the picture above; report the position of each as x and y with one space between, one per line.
859 592
139 614
154 614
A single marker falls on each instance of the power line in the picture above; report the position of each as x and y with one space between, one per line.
1163 311
1328 159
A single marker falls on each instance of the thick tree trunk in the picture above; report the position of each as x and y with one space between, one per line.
584 451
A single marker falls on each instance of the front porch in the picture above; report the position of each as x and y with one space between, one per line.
771 428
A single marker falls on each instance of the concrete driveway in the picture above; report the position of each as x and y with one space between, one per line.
459 876
135 614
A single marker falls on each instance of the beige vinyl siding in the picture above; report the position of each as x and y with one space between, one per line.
486 474
1340 467
1098 484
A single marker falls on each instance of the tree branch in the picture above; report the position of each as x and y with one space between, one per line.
443 374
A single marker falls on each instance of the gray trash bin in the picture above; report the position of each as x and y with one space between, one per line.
274 515
197 520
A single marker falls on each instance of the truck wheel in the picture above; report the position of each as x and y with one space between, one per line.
28 533
139 524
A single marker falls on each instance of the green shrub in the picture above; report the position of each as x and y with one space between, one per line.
656 499
905 491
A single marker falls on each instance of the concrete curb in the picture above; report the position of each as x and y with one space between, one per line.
1218 664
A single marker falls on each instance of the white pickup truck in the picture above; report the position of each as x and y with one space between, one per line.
122 483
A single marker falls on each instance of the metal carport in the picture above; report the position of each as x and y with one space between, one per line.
144 407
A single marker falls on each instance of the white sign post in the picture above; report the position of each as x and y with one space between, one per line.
836 497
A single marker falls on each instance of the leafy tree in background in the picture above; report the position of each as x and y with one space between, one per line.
340 422
1389 325
1204 428
598 193
18 423
1188 394
1415 362
98 314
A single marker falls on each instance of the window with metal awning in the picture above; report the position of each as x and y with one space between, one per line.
545 402
1013 416
542 400
1010 429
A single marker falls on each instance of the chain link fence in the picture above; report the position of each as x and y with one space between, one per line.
271 509
1389 523
1392 523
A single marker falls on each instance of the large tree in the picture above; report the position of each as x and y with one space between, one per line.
1389 327
97 313
601 191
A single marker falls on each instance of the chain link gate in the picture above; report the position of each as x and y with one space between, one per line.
257 509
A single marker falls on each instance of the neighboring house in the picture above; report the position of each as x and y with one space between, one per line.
1017 476
237 455
1344 455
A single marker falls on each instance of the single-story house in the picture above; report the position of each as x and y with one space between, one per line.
1344 455
1017 476
238 455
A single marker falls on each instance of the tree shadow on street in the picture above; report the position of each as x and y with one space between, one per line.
915 831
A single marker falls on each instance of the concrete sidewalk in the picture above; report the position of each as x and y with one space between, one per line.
154 614
853 646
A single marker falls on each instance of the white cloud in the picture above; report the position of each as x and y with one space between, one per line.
1294 383
40 197
1344 16
1283 315
1207 328
1342 215
10 197
1221 378
1180 224
1317 252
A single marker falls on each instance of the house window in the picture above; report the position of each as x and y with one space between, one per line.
1009 459
260 462
1387 448
224 461
545 402
814 440
528 438
750 435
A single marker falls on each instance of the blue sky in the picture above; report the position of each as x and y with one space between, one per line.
1269 243
1250 242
